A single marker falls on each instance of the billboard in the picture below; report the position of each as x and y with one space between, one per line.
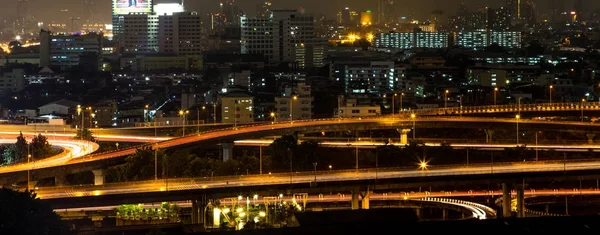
124 7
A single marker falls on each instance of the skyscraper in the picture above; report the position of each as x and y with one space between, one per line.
498 19
514 8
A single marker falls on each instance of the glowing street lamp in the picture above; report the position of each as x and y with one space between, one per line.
446 98
423 165
495 91
550 89
518 117
414 118
274 117
294 98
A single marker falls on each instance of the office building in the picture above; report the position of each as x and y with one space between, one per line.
12 81
368 77
180 33
472 39
366 18
411 40
296 103
122 8
481 39
140 33
514 8
506 39
237 108
289 37
67 51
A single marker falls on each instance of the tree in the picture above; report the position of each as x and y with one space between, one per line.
23 213
20 153
40 148
281 150
8 155
87 134
139 166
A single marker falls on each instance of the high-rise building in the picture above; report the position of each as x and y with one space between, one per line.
386 11
498 19
67 51
481 39
264 10
180 33
369 77
411 40
528 13
140 33
296 103
514 8
121 8
366 18
286 38
345 16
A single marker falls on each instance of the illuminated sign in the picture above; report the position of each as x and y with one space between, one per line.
124 7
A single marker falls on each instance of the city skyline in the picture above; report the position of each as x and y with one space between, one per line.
46 10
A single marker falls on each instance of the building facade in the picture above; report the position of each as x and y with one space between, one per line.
369 77
66 51
237 108
181 33
411 40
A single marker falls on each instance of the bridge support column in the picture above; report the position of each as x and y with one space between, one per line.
590 138
355 201
32 184
489 134
444 214
418 212
199 210
98 176
366 200
60 180
404 136
520 202
227 151
505 201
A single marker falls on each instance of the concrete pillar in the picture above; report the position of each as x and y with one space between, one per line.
520 202
489 134
590 138
366 200
444 214
60 180
418 212
198 210
505 201
98 176
32 184
227 151
547 208
404 136
355 200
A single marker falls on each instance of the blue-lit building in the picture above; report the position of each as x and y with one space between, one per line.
66 51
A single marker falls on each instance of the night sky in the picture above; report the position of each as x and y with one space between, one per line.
50 9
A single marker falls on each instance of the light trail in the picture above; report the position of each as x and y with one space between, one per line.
72 149
308 177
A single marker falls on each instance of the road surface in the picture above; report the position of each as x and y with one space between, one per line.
306 177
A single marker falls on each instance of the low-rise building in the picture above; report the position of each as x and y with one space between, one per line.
237 108
62 107
12 81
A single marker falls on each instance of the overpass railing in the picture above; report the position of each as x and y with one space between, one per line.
560 106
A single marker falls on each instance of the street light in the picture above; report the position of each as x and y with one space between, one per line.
401 101
315 165
423 165
146 113
414 118
394 105
518 117
446 98
294 98
495 91
550 89
156 162
274 117
582 103
330 166
28 169
81 114
183 113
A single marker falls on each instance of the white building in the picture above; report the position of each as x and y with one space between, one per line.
60 107
288 36
352 110
482 39
411 40
140 33
180 33
12 81
237 108
506 39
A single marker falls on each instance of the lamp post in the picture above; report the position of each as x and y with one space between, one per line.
550 96
446 98
495 91
29 168
294 98
315 165
461 106
183 113
91 115
401 101
146 113
582 103
156 162
414 118
215 112
394 105
274 117
518 117
80 113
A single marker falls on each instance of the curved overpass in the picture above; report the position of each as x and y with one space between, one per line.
229 135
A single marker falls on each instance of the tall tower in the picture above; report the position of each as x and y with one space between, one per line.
514 7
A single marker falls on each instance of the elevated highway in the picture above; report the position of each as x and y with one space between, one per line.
229 135
327 182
